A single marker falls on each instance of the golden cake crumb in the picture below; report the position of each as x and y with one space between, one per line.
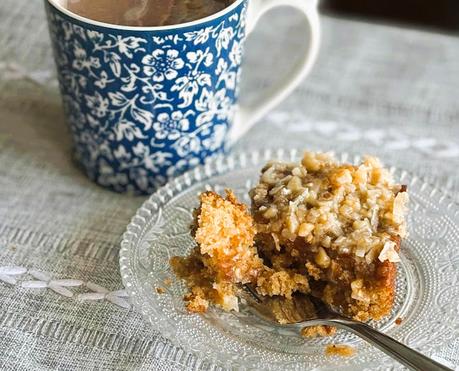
398 321
196 302
315 331
339 350
160 290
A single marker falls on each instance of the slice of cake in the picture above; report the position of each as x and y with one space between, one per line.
225 256
317 228
337 224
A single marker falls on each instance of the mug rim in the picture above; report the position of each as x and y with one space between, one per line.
62 9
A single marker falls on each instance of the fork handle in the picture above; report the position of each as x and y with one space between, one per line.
405 355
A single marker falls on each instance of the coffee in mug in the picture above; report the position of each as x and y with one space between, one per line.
145 12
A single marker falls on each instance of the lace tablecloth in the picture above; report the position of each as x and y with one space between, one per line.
376 89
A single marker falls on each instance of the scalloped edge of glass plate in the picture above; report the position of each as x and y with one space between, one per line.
215 166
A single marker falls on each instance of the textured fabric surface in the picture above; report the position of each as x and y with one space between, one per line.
384 90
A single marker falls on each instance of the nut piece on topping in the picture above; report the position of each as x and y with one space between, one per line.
389 253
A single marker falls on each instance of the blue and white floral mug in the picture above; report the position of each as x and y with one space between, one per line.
148 103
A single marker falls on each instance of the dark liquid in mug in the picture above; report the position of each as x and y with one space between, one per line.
145 12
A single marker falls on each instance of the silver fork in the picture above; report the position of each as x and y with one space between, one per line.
410 358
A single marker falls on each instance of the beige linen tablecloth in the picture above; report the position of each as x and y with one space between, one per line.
376 89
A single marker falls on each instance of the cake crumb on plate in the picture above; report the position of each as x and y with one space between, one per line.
321 330
339 350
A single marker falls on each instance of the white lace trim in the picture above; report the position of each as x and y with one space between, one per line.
13 275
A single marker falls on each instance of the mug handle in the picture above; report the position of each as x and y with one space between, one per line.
246 116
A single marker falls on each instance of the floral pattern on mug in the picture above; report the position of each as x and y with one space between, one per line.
147 105
170 126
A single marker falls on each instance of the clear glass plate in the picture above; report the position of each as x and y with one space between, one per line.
427 283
